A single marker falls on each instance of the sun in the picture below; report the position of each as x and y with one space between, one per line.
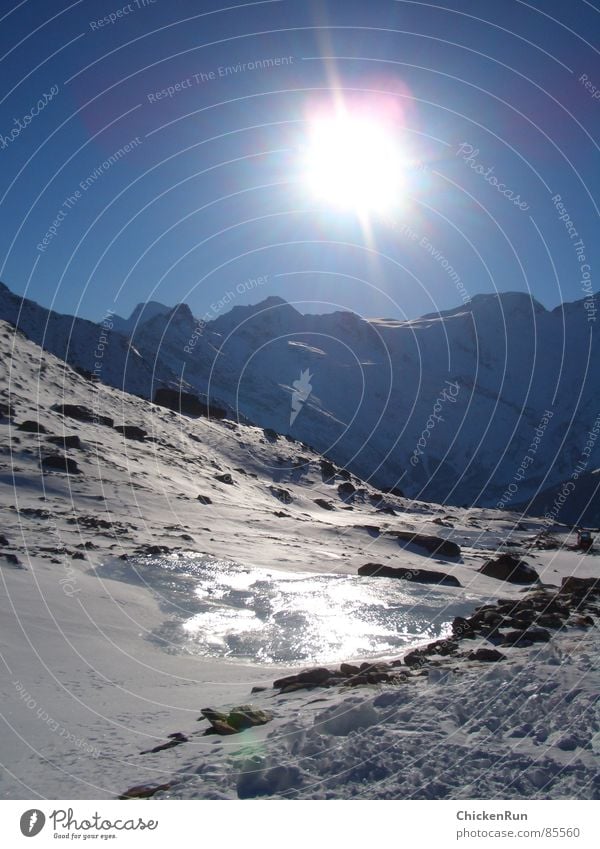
354 163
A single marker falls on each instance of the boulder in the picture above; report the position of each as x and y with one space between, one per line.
271 434
325 505
204 499
187 403
511 569
432 544
581 587
144 791
486 655
7 411
316 677
419 576
30 426
83 414
328 470
60 463
225 478
132 432
238 719
346 490
70 441
282 494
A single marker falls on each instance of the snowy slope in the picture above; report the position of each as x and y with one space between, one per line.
446 407
97 669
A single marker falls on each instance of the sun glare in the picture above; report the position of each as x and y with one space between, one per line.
354 163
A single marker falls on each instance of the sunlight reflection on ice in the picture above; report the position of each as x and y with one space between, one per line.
222 609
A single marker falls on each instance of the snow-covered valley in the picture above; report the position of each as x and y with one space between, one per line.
129 603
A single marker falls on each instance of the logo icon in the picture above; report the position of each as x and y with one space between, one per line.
302 389
32 822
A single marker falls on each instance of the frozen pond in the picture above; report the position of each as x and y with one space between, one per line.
217 608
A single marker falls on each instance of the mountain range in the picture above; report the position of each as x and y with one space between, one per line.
493 403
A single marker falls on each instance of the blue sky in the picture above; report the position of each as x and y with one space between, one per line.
190 194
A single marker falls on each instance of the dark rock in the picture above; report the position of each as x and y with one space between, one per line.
225 478
511 569
282 494
144 791
7 411
78 555
204 499
346 490
12 559
394 490
176 739
435 545
132 432
312 677
328 470
415 658
349 669
271 434
83 414
71 441
550 620
59 463
419 576
581 587
30 426
188 404
3 540
325 505
486 655
462 628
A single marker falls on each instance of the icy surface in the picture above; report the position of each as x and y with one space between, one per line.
217 608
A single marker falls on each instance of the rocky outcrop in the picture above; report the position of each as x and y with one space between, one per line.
60 463
83 414
434 545
511 569
187 404
67 441
419 576
30 426
132 432
236 720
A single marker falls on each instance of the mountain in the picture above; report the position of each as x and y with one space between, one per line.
488 403
142 313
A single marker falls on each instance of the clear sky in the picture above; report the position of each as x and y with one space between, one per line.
154 150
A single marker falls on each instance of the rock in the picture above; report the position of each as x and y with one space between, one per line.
175 739
511 569
415 658
550 620
325 505
144 791
132 432
71 441
60 463
188 404
346 490
83 414
204 499
3 540
271 434
435 545
328 470
7 411
463 628
238 719
349 669
486 655
581 587
225 478
537 635
30 426
12 559
282 494
419 576
312 677
394 490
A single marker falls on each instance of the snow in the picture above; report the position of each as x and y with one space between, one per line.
87 684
